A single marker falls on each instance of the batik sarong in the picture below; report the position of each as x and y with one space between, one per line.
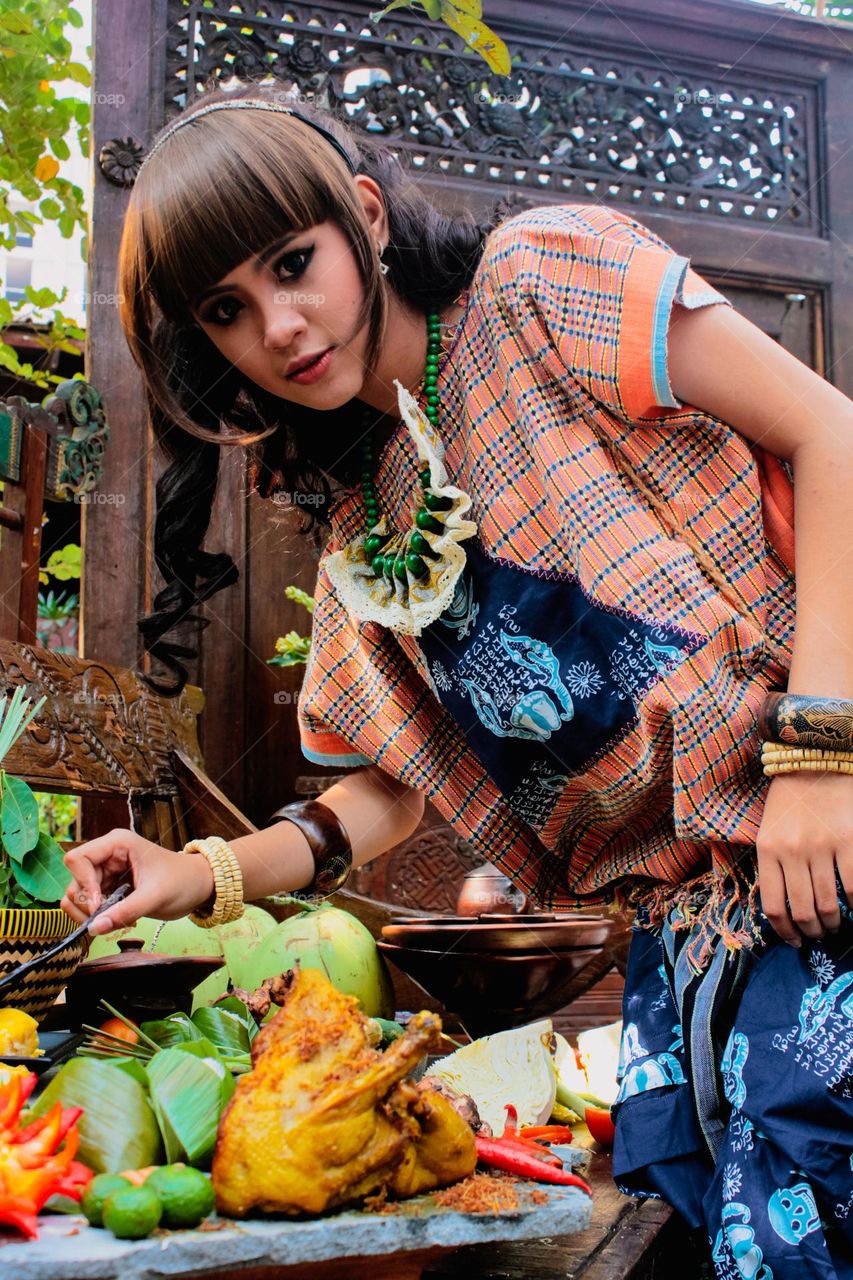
759 1149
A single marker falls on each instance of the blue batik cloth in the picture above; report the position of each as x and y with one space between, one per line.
745 1122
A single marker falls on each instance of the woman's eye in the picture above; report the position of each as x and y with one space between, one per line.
288 267
222 311
294 261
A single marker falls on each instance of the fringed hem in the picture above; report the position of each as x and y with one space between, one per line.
718 906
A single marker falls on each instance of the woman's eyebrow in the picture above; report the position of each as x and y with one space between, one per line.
260 260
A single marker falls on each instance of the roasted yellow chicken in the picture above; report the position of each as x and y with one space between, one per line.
323 1119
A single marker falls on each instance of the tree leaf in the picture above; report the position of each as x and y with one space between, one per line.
42 872
19 820
46 168
41 298
19 24
478 37
77 71
470 8
395 4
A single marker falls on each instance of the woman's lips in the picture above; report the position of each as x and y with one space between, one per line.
311 372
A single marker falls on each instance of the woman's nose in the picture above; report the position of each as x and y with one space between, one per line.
282 324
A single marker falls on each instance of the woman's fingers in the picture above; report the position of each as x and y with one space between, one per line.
825 893
122 915
165 884
801 898
773 899
844 863
96 866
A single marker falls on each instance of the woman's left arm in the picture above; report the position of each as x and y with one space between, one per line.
720 362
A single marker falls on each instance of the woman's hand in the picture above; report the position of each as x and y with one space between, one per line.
806 833
166 885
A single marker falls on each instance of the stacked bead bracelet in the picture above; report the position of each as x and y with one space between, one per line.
806 734
392 554
780 759
227 882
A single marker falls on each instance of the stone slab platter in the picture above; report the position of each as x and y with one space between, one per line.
69 1249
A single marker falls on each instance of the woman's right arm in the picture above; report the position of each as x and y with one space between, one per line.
376 811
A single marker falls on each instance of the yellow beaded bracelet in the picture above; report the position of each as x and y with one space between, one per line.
773 752
808 766
777 758
227 882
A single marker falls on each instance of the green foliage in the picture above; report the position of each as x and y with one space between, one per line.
300 597
31 866
36 120
49 606
19 817
292 650
63 564
57 814
464 17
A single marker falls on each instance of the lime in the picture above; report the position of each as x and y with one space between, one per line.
133 1213
97 1191
166 1171
185 1194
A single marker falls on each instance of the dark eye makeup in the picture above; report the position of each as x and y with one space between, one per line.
221 311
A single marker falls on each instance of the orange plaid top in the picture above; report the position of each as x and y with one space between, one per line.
620 747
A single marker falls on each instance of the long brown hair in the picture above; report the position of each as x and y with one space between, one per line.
217 192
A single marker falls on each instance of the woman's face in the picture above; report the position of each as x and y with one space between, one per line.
297 299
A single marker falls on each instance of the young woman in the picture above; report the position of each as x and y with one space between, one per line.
557 592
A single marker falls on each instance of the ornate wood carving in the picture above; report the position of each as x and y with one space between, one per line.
77 432
427 871
101 730
119 160
571 121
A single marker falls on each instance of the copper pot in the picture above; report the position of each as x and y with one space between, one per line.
486 890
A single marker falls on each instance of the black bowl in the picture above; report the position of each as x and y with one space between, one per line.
495 992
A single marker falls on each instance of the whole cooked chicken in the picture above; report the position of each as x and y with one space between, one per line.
323 1119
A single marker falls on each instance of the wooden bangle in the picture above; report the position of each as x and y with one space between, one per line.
799 721
329 843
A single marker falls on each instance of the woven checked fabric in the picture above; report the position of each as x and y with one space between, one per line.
559 421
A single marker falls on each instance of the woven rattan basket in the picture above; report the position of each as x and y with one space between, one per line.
26 933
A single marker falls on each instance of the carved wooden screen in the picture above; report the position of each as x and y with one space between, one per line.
722 126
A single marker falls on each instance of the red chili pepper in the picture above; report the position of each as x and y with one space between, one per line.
558 1133
511 1126
499 1155
532 1149
32 1166
513 1140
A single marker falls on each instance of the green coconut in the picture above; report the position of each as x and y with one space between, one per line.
183 938
332 941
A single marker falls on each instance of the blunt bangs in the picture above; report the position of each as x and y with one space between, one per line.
225 189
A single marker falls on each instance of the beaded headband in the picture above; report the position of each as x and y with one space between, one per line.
244 104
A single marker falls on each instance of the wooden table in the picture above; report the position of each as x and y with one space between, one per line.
627 1239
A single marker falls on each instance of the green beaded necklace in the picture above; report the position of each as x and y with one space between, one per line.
392 554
